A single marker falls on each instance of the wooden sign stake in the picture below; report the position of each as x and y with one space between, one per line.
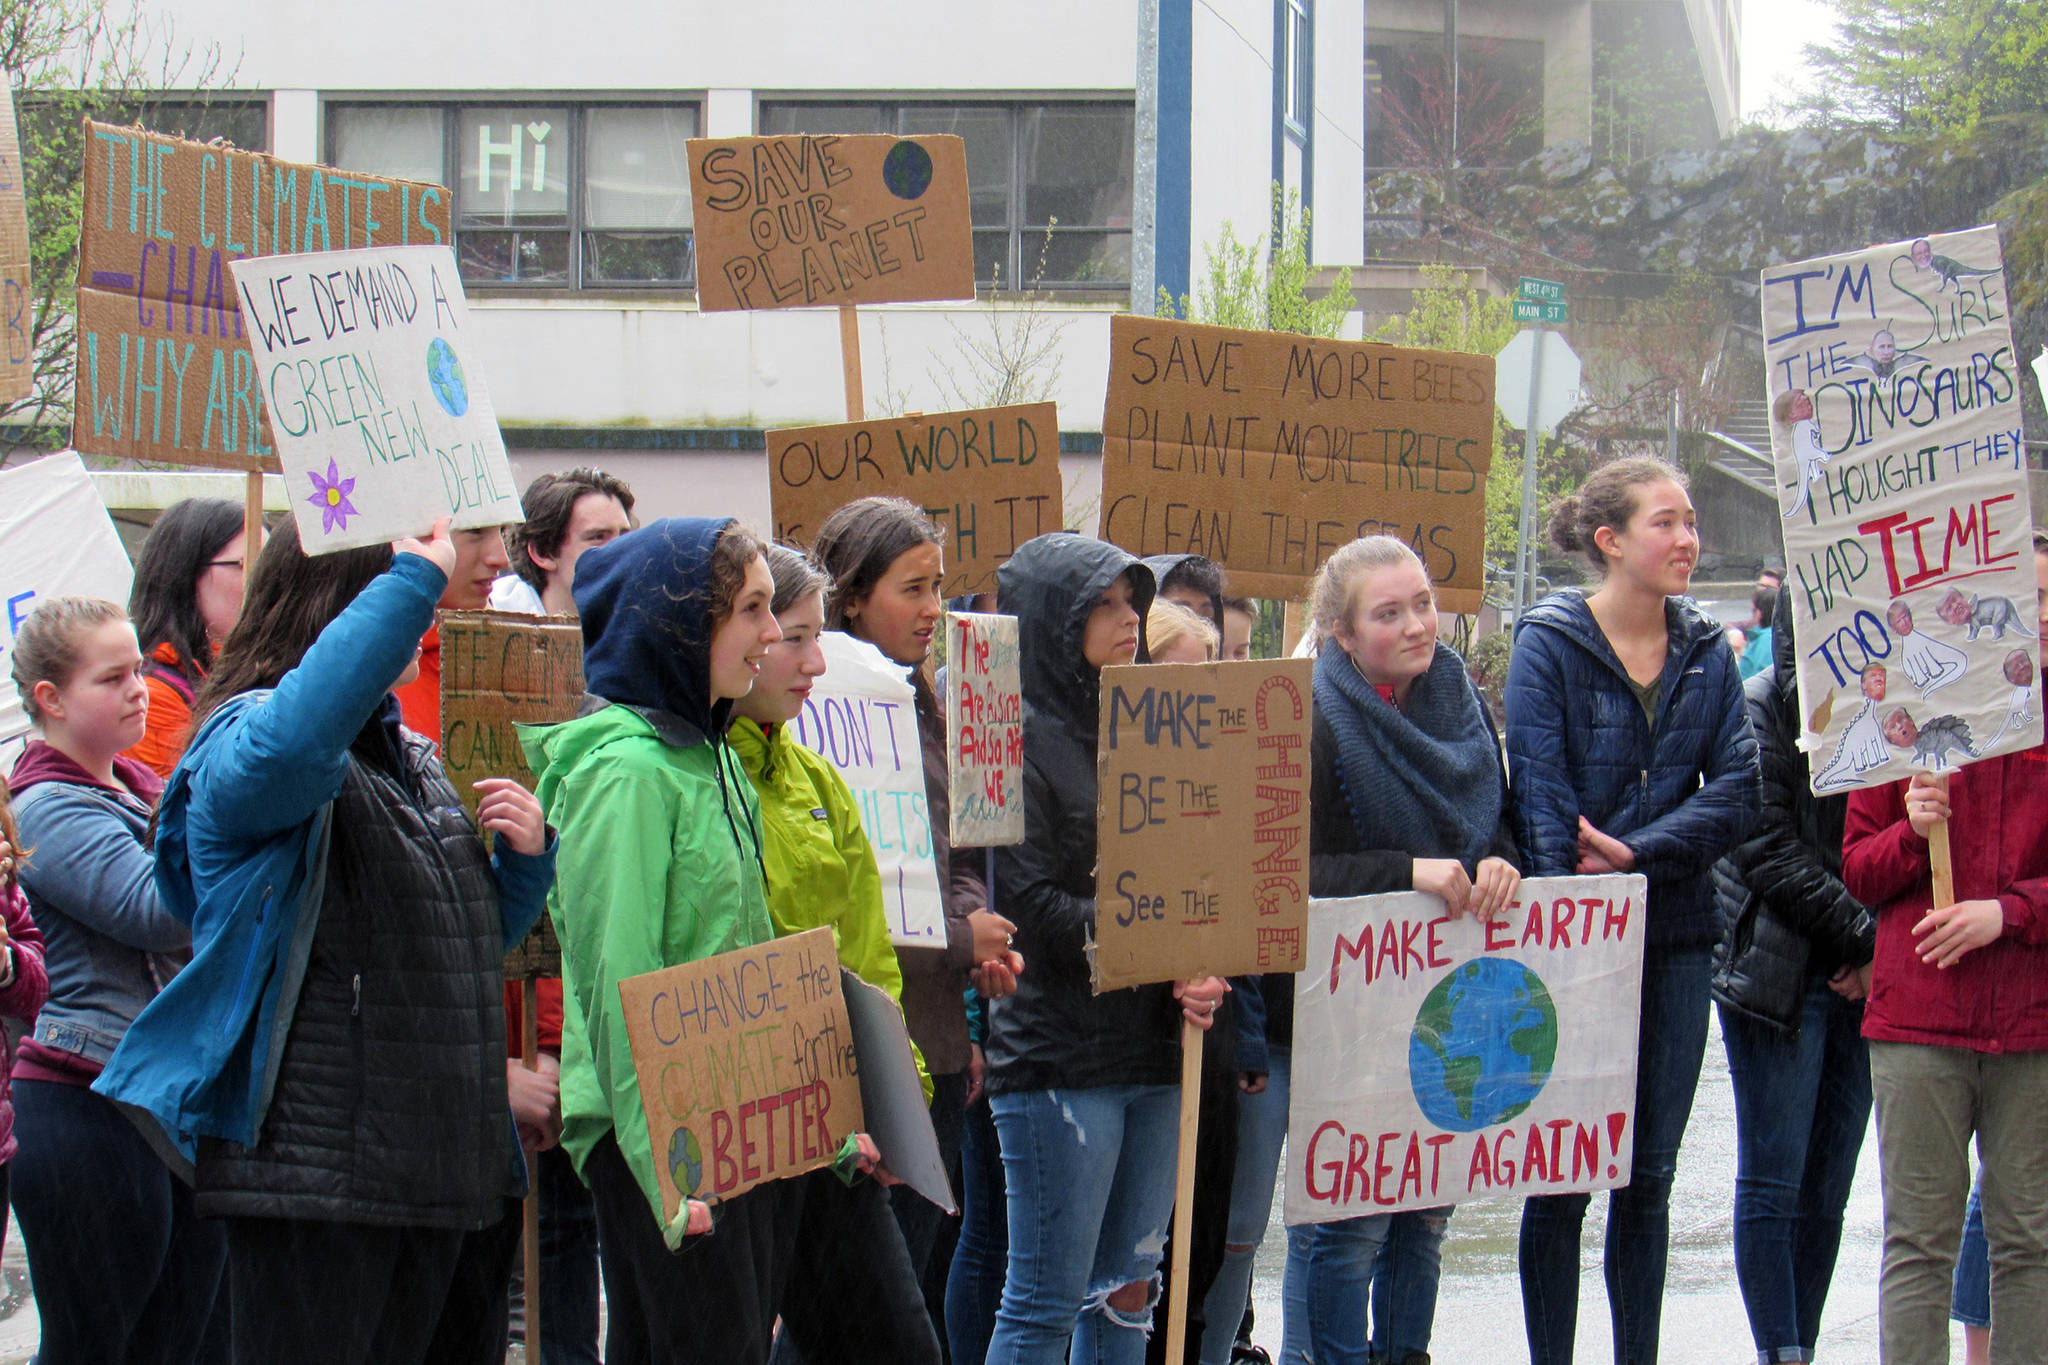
1943 867
1178 1287
252 520
849 358
529 1055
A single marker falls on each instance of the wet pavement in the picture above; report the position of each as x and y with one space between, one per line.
1479 1313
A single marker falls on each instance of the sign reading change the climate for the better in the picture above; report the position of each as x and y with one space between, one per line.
801 221
990 478
164 370
373 382
1438 1060
1265 451
1902 488
1201 821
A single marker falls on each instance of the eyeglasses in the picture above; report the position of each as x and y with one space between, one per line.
234 564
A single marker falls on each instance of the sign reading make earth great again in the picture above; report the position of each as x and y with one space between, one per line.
1438 1060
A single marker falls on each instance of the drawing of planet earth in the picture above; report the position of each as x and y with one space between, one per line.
444 372
685 1160
1484 1043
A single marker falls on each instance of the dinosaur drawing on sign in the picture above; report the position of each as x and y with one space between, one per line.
1951 271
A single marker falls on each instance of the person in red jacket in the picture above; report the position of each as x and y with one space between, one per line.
1957 1020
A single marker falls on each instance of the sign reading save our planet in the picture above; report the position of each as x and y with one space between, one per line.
1438 1060
374 387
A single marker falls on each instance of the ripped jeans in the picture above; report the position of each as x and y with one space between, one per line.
1090 1179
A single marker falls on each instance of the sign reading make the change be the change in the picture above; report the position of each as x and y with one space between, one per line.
1902 487
373 380
1438 1060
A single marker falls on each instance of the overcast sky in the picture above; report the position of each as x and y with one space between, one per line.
1774 38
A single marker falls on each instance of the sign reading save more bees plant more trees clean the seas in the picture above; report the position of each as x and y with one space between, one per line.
164 369
375 389
1903 494
1201 821
800 221
1438 1060
1265 451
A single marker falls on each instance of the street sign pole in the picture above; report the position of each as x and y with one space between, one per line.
1525 555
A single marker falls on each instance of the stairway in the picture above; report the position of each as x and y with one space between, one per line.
1742 448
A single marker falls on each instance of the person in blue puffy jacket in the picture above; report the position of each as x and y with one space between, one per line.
1629 751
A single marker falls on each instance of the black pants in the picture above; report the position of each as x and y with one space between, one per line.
324 1293
826 1257
928 1232
1215 1173
123 1268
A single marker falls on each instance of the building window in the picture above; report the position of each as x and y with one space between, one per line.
1049 184
1411 92
546 195
1297 59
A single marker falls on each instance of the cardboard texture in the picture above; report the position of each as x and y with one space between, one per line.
892 1103
1438 1060
56 540
164 371
798 222
1902 488
984 730
17 310
373 382
1202 821
861 717
1265 451
501 670
990 478
746 1066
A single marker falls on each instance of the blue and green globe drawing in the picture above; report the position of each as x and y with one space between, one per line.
1485 1040
444 372
685 1161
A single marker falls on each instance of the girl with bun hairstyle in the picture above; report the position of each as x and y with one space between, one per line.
1630 752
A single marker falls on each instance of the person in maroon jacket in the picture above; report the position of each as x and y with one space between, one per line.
1957 1020
24 985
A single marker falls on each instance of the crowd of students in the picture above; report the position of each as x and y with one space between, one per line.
267 1107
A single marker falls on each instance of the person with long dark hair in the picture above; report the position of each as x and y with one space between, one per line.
184 600
1629 751
332 1061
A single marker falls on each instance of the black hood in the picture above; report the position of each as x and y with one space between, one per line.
1162 565
1783 659
1051 585
645 603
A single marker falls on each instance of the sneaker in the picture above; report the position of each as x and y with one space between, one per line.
1244 1353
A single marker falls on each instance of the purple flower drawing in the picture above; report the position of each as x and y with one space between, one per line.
330 495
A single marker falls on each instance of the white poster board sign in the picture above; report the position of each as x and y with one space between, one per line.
861 717
56 540
1902 482
373 380
1438 1060
984 730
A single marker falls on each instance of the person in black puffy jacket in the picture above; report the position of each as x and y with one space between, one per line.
1789 976
1629 751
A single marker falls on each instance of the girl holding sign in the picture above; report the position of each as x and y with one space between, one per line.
1630 752
1084 1087
1407 795
332 1057
187 593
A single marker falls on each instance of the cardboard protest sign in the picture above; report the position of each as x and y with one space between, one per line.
746 1066
1202 821
17 316
56 540
373 382
1265 451
501 670
1438 1060
984 730
799 221
990 478
1902 486
164 371
892 1103
861 717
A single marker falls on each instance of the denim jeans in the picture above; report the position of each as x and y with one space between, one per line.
1970 1300
122 1266
1671 1044
1294 1325
1405 1276
1090 1176
974 1289
1261 1133
1802 1102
